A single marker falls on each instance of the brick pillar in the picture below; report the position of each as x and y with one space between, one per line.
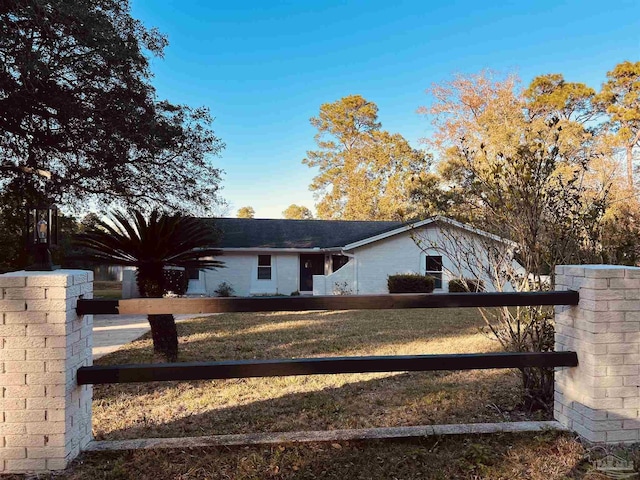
600 398
45 417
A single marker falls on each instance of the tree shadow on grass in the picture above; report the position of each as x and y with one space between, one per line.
278 335
302 334
217 407
318 401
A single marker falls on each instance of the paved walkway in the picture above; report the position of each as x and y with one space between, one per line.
110 332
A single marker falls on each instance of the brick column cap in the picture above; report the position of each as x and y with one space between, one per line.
53 273
55 278
595 270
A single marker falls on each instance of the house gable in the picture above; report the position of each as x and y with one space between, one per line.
415 225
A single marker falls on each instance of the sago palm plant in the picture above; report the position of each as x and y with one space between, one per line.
150 244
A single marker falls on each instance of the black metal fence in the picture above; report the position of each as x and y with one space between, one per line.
325 365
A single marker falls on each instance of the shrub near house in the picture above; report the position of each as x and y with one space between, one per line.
465 285
410 283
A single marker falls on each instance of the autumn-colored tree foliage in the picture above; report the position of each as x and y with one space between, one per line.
517 164
297 212
246 212
620 101
521 163
364 173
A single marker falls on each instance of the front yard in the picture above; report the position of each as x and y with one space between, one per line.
326 402
320 402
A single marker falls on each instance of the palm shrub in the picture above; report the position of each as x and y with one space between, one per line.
151 243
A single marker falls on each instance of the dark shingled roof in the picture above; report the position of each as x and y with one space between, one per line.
279 233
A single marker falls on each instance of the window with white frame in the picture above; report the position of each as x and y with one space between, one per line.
264 267
433 268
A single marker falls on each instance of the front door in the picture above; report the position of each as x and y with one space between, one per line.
310 265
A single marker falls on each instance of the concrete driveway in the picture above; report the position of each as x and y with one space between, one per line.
110 332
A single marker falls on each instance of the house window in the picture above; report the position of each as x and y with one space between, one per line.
264 267
434 269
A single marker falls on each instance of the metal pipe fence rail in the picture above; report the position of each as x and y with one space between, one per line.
324 365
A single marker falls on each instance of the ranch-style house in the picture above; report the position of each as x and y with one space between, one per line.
328 257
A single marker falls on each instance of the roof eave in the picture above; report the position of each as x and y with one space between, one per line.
390 233
421 223
278 249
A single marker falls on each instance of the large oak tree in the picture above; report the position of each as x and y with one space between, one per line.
77 106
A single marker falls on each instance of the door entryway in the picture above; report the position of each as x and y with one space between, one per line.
310 265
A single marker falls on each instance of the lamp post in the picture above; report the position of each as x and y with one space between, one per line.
41 233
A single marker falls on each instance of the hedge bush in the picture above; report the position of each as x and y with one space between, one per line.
410 283
465 285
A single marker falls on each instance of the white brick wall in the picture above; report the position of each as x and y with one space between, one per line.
241 271
327 284
374 262
600 399
45 417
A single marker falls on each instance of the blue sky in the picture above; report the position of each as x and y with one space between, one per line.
265 67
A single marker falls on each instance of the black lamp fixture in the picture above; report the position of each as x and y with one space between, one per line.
41 233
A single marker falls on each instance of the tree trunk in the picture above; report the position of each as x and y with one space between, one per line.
151 284
629 151
165 337
538 388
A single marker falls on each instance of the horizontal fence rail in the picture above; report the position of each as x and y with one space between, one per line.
144 306
313 366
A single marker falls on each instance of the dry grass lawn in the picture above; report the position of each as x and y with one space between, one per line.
543 456
325 402
318 402
107 289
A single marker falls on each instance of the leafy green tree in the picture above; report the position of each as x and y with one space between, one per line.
150 244
80 119
620 100
297 212
89 221
13 252
364 173
246 212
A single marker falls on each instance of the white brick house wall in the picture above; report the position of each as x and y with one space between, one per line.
375 261
241 271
